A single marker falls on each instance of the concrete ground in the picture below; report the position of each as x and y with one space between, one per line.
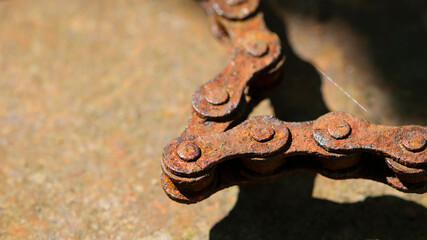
91 92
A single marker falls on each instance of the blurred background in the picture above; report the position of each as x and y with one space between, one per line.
91 92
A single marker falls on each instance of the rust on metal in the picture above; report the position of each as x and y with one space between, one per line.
235 2
262 133
188 151
221 147
235 9
339 129
217 96
414 141
257 48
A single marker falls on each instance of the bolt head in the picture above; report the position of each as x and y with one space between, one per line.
414 142
339 129
235 2
257 48
262 133
217 96
189 151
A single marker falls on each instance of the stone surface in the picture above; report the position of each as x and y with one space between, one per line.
91 92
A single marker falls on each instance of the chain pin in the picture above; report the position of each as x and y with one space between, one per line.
235 2
257 48
189 151
339 129
217 96
414 142
262 133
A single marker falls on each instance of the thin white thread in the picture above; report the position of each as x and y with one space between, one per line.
347 94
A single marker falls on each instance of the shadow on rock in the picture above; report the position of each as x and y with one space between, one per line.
397 34
286 210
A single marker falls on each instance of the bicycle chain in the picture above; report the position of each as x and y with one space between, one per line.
218 150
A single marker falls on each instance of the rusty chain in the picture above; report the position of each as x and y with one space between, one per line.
219 148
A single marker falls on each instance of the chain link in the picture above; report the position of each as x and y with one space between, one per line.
219 149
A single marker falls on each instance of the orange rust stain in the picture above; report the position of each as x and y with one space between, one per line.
129 197
114 144
17 230
161 207
36 222
118 152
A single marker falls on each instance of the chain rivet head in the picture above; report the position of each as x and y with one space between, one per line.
235 2
414 142
339 129
262 133
257 48
188 151
217 96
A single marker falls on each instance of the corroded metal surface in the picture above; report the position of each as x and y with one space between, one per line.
196 165
265 148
